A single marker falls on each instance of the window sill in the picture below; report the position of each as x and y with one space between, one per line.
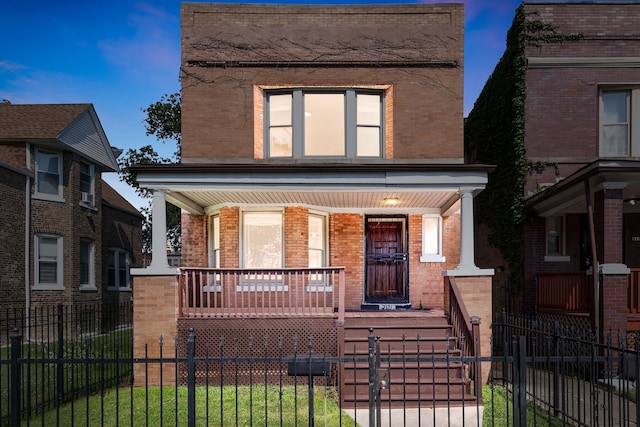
557 258
262 288
119 289
432 258
88 288
88 206
319 288
48 197
48 288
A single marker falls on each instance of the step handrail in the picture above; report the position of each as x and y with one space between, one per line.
467 328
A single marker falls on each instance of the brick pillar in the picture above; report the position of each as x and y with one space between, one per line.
296 231
608 205
194 240
155 314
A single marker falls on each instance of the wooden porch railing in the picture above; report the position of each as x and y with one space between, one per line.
467 329
229 292
565 292
634 291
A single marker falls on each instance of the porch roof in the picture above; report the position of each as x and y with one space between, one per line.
336 186
569 195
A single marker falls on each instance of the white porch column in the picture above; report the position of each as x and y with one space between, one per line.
159 264
159 231
467 266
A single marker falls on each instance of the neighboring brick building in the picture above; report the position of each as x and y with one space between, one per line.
68 236
316 137
559 117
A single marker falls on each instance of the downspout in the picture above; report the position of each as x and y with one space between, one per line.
27 241
595 267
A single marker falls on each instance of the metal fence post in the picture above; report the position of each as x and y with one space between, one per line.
519 382
372 380
16 341
59 364
191 379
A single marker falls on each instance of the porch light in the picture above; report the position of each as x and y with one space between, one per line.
633 201
390 201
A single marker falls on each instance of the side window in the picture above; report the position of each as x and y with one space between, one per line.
87 271
87 193
432 239
48 175
48 262
555 239
118 269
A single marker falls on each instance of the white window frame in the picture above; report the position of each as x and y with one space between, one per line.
251 283
632 121
215 281
350 121
319 283
552 223
58 258
90 285
117 286
47 196
432 236
91 194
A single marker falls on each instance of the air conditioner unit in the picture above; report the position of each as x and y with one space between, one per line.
86 198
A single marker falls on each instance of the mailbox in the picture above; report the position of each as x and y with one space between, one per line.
308 365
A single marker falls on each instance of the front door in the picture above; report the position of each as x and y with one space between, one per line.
386 260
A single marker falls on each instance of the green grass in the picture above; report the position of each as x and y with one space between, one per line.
240 406
39 380
497 403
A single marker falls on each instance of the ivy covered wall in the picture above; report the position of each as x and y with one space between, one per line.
495 135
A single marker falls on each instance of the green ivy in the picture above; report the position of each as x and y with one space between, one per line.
494 134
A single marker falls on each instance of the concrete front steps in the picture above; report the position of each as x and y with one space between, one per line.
405 337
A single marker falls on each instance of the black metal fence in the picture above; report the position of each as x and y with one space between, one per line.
542 373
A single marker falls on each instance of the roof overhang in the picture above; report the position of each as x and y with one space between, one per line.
569 195
336 187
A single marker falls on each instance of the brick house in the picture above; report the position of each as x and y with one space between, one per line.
558 117
72 236
322 179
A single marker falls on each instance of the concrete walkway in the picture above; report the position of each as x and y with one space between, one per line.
424 417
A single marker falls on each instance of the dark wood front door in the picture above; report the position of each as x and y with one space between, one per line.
386 259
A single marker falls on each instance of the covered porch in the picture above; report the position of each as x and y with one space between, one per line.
312 288
589 227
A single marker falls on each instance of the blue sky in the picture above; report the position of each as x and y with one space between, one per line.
123 55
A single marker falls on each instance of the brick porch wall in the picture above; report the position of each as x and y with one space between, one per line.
155 315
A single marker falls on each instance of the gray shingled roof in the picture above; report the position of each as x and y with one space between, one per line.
75 127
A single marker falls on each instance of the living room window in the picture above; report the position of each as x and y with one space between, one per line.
48 262
619 112
118 270
87 194
346 123
262 239
432 239
48 175
87 265
318 251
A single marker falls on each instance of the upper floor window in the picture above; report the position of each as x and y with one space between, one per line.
344 123
48 262
432 239
87 194
48 175
87 264
619 119
118 269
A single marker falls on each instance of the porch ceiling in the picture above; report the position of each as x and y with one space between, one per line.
569 195
419 187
